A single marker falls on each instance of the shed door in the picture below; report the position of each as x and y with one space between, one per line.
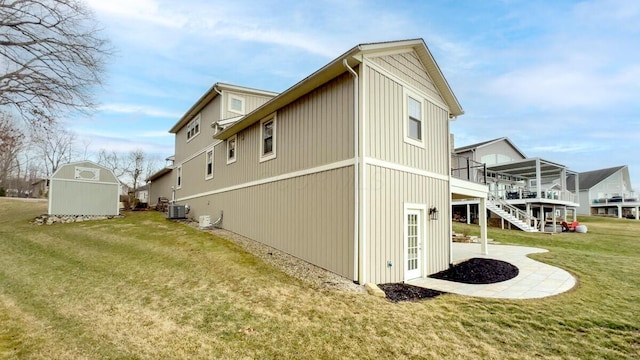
412 243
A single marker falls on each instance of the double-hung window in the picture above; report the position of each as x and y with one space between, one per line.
232 147
268 138
413 119
209 164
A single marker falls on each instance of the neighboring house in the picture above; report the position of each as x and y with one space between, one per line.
40 188
607 192
349 169
142 194
526 192
83 188
161 183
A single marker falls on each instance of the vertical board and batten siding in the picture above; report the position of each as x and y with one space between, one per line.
407 66
251 102
191 155
315 130
70 196
184 149
310 217
387 192
385 128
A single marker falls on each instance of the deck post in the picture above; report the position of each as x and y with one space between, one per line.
482 221
542 218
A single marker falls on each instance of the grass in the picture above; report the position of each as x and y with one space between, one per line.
141 287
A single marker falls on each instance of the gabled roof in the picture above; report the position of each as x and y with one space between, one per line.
210 95
336 68
589 179
487 143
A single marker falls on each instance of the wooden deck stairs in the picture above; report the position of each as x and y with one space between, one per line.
512 214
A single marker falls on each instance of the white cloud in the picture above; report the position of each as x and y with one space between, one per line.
139 109
146 11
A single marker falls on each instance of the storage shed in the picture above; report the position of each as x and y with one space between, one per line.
83 188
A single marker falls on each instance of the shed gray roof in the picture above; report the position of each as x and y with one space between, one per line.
589 179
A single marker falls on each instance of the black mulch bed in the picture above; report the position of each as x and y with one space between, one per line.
402 292
472 271
479 271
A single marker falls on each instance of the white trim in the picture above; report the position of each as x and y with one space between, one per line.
274 138
403 83
235 149
406 95
318 169
422 221
404 168
242 104
206 163
362 208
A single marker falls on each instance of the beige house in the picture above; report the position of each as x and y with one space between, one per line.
349 169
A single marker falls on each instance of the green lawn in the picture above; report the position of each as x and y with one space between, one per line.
144 287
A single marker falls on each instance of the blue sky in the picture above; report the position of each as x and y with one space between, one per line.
561 79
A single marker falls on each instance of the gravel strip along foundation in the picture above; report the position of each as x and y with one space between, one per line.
291 265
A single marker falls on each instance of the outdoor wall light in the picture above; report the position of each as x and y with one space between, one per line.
433 213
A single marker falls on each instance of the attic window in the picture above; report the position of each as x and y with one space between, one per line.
193 129
236 104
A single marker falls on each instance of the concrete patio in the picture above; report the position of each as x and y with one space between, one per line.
534 280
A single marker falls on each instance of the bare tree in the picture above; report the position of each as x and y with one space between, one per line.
51 57
137 166
54 146
11 143
112 161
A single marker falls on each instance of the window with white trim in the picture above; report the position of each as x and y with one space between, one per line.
413 119
193 128
236 104
232 147
268 138
208 164
179 177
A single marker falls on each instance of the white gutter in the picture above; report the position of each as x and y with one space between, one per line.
356 174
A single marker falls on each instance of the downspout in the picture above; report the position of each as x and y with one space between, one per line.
356 174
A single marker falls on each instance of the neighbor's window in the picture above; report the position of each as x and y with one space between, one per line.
414 119
268 138
232 144
193 128
179 177
236 104
209 164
